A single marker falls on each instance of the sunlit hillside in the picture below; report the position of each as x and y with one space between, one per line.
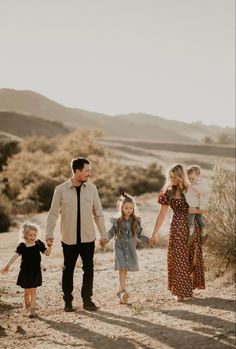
21 125
131 126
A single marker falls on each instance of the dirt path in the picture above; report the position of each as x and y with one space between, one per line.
151 320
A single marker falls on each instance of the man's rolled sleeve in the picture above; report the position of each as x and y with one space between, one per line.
53 213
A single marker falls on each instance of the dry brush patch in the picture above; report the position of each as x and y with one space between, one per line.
30 176
221 246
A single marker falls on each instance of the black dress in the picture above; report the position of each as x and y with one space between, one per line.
30 275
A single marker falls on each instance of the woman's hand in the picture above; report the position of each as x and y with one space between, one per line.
153 239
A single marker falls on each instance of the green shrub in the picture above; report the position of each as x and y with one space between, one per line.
31 175
139 180
7 149
43 193
25 207
23 173
39 143
5 220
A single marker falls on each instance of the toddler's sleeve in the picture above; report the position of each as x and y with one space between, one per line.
204 196
20 248
41 245
163 198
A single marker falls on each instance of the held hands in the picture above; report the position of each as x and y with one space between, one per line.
153 240
102 243
49 242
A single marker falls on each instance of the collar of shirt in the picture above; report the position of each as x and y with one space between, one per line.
70 183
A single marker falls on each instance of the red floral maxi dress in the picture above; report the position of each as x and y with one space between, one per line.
185 264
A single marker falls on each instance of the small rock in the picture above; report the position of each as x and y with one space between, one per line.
2 331
20 330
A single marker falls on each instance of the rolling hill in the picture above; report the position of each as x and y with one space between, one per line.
21 125
134 126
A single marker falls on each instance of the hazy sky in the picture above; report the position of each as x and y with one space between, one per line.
172 58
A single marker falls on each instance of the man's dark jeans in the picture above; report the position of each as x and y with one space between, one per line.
71 254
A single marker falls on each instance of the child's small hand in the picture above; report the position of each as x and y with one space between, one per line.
192 210
5 270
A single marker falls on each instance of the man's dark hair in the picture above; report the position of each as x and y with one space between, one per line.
78 164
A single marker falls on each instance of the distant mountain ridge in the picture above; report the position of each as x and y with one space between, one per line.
21 125
138 126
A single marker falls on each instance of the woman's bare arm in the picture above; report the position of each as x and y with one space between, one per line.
159 221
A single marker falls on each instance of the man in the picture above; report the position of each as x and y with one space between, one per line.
78 202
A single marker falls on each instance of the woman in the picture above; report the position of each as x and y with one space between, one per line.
185 264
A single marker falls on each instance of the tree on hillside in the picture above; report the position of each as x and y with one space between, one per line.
208 140
225 138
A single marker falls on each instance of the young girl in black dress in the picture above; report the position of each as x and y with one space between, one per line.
30 275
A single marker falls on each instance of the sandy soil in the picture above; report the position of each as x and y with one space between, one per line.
152 319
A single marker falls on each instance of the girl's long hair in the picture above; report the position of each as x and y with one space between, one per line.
179 172
25 227
124 198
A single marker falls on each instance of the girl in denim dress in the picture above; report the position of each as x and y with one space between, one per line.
125 230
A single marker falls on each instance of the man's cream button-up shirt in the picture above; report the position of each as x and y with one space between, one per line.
64 202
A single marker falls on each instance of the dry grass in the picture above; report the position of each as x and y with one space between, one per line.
30 176
221 218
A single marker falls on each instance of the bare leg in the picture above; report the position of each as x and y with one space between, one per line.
33 302
122 279
33 298
123 295
27 298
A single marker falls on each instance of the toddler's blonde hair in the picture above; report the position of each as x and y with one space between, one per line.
26 227
194 168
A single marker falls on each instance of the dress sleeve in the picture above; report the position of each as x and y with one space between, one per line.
41 245
163 198
140 234
113 229
20 248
